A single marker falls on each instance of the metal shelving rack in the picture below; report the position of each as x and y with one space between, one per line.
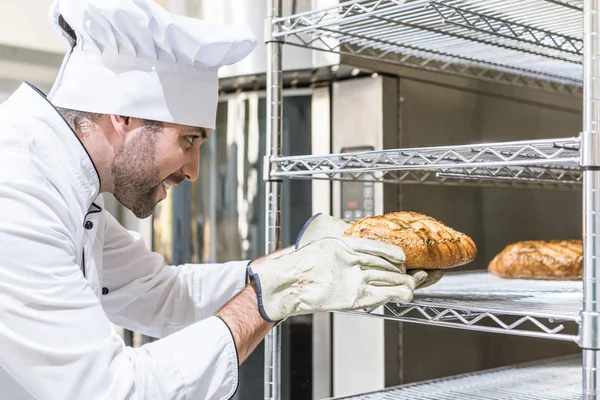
484 302
532 43
552 162
558 379
541 44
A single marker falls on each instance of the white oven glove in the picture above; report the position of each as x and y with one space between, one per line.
331 274
321 225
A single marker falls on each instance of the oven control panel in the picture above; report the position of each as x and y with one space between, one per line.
358 198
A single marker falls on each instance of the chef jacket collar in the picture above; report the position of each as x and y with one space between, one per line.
86 178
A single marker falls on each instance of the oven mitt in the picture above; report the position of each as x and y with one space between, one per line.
331 274
425 278
322 225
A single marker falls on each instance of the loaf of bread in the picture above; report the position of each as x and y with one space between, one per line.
427 243
540 259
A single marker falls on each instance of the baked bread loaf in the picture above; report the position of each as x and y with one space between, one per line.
427 243
540 259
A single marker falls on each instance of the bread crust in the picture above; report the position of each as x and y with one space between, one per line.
427 243
540 259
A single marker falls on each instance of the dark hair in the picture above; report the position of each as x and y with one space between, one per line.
80 120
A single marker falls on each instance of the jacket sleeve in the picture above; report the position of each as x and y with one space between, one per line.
149 297
55 339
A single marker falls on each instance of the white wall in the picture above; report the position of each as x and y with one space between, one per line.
25 23
30 50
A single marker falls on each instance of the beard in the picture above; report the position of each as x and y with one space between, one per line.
136 177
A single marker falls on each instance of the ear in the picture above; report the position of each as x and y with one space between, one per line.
121 124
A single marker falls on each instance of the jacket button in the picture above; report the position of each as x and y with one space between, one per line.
104 291
89 225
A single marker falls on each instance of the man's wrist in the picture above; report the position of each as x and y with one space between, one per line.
273 255
243 320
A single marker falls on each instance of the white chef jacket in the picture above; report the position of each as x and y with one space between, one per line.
68 269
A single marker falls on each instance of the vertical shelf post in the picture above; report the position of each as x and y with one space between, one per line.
273 186
590 162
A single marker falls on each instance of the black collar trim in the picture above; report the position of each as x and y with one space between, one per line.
94 208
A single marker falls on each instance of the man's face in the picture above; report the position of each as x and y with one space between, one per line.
152 158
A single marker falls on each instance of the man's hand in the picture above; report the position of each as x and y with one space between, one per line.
321 225
331 274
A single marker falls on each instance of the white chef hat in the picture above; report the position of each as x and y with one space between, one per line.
134 58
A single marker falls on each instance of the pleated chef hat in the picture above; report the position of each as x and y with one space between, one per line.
134 58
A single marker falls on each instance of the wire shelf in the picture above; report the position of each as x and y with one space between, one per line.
555 379
552 162
484 302
531 43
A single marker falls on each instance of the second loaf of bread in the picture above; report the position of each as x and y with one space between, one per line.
540 259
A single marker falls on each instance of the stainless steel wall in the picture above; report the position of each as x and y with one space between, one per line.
438 114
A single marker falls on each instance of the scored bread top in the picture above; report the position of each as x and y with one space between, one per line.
427 243
540 259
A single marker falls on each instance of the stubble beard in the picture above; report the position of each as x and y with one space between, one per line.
136 177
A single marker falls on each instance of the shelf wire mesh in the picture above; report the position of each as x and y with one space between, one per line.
556 379
534 43
484 302
542 162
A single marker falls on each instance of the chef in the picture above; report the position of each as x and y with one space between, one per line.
135 98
